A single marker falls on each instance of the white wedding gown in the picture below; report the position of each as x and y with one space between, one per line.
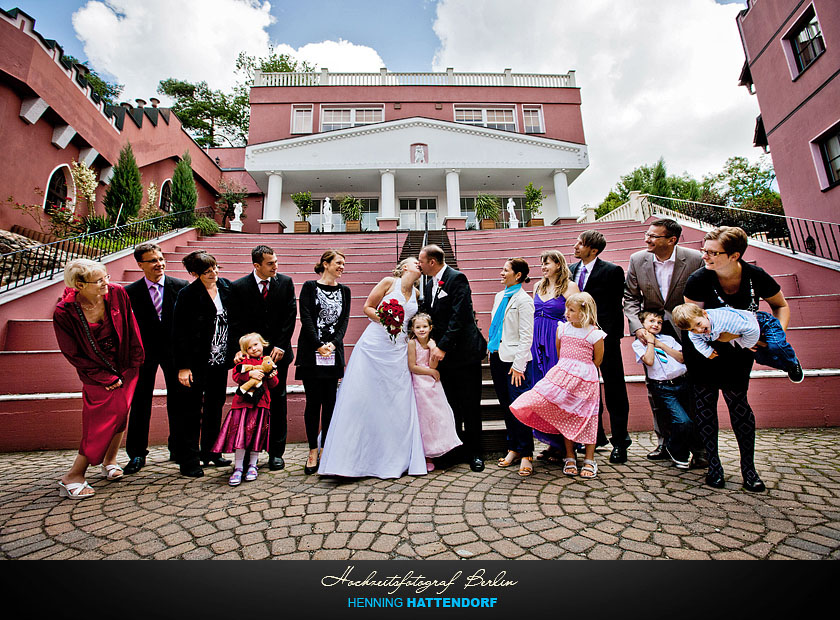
374 429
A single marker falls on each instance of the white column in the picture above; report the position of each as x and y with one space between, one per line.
388 198
561 194
271 210
453 193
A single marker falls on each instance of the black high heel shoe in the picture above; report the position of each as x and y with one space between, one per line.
715 480
311 470
754 484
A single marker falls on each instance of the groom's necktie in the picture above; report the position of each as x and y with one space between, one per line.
582 276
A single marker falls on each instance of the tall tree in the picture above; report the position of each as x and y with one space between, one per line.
184 193
210 116
125 193
741 182
109 92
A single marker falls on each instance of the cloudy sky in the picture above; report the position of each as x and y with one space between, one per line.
657 77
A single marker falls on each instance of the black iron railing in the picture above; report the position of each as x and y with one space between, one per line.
44 261
796 234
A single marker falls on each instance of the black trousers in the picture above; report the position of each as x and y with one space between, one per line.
743 424
614 395
200 417
520 438
137 436
320 403
462 386
278 417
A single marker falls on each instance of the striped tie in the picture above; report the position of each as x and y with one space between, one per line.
264 284
157 299
582 277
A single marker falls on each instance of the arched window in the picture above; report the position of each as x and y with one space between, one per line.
57 189
166 196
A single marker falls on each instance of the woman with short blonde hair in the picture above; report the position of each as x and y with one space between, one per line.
98 335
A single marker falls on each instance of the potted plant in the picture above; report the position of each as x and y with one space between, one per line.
351 211
487 208
303 202
533 202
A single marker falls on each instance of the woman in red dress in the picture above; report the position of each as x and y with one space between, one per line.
97 333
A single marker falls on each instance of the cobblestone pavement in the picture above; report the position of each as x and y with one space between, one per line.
641 509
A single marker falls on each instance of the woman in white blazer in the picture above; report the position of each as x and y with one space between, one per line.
511 333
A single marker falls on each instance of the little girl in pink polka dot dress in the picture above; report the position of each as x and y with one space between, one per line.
566 400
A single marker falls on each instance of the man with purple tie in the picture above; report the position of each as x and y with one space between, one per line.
152 301
605 282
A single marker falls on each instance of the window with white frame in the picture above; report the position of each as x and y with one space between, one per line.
302 119
493 118
830 149
806 41
342 118
532 119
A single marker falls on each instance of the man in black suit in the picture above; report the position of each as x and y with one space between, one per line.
152 301
460 347
605 282
264 302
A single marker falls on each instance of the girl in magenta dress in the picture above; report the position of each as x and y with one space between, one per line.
246 426
566 400
437 422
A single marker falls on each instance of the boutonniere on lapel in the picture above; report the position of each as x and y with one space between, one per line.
441 293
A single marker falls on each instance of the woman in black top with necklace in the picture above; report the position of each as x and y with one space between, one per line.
324 314
726 280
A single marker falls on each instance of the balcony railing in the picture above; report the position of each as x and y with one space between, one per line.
324 77
44 261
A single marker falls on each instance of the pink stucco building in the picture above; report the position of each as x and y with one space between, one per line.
792 50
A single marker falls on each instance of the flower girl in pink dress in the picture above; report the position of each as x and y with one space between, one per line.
566 400
437 422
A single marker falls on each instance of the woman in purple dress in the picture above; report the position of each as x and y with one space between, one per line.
550 295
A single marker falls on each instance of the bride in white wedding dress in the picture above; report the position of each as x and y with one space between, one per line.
374 430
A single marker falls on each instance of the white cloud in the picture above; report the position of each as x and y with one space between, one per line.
141 42
657 77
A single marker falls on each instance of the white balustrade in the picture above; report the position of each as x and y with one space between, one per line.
388 78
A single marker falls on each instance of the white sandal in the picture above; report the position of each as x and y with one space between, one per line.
590 467
112 472
73 490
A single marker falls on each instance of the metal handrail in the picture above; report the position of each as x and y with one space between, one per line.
45 260
797 234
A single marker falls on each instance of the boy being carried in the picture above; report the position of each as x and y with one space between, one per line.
718 324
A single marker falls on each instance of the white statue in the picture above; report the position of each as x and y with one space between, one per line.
236 222
419 154
513 221
326 216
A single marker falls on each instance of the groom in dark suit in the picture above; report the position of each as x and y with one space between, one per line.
605 282
264 302
153 302
460 347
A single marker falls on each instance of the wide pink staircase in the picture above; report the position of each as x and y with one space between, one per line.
39 391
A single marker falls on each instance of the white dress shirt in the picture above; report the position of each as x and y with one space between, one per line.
664 269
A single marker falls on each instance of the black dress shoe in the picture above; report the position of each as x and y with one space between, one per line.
276 462
715 481
218 461
193 471
756 485
134 465
658 455
477 463
618 455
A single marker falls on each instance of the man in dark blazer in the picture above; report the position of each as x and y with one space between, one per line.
656 280
605 282
460 347
264 302
152 301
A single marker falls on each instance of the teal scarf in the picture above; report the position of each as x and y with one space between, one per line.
499 318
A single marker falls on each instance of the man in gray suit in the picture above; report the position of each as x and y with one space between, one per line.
655 281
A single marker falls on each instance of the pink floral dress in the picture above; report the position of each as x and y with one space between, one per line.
437 422
566 400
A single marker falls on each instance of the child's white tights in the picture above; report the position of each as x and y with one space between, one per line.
239 459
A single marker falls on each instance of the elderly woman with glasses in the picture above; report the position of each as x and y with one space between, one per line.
97 333
203 357
726 280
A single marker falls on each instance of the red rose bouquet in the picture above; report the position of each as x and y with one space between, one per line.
392 316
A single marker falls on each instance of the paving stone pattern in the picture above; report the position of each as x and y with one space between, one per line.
637 510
